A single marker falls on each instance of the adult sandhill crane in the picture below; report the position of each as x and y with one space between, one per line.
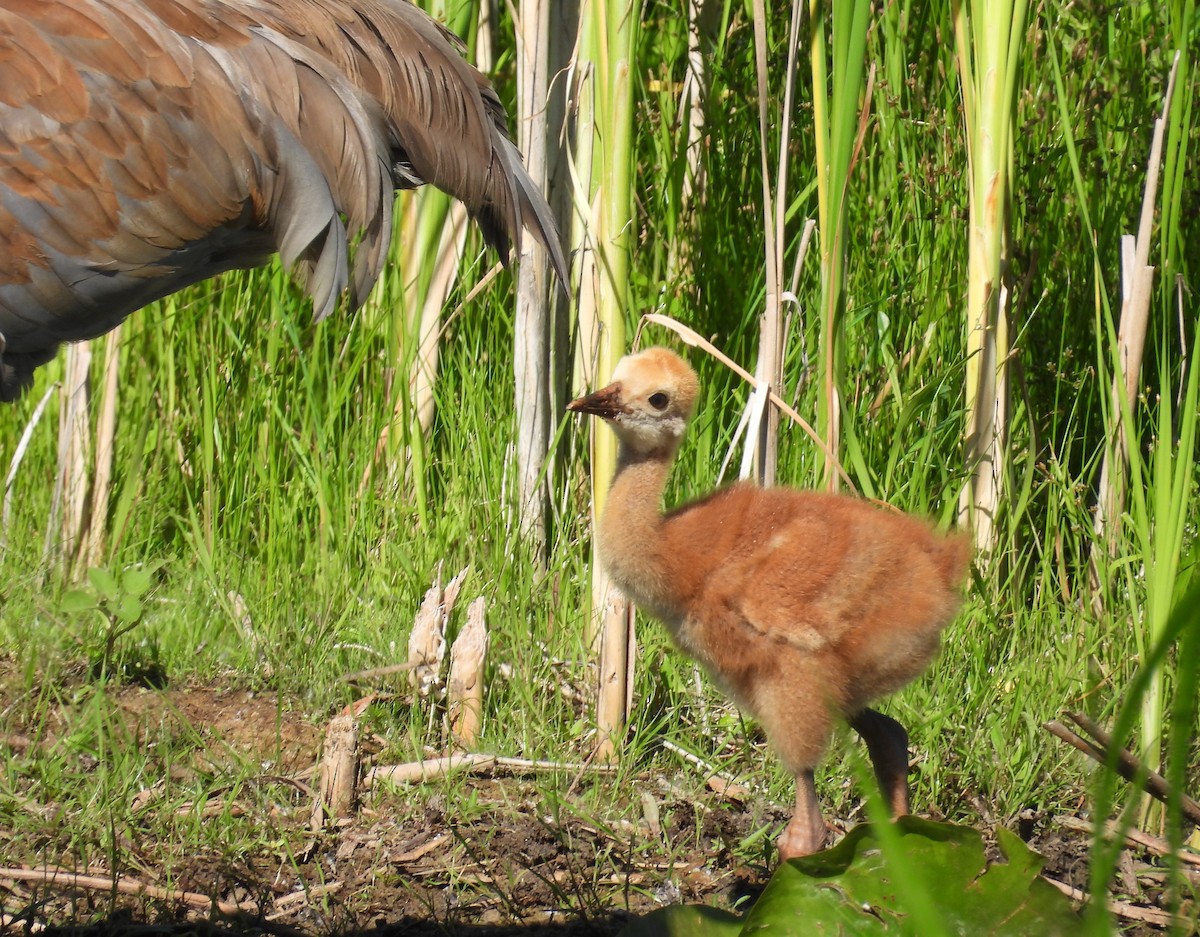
149 144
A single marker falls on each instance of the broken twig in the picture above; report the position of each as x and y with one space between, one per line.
61 878
1127 765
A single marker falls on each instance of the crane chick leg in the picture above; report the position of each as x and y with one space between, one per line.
887 744
806 832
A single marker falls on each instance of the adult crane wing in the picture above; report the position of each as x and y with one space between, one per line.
149 144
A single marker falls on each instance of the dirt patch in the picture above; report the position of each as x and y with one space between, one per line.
228 723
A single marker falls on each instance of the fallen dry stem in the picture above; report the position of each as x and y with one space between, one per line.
1133 837
1127 765
126 886
476 763
1123 909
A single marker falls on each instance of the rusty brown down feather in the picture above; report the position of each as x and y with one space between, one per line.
149 144
804 606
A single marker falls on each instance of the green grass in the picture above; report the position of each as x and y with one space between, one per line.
246 467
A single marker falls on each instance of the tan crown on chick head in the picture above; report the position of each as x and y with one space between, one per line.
649 402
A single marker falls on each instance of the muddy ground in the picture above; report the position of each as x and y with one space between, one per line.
480 855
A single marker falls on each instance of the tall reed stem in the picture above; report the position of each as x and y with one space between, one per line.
989 35
605 164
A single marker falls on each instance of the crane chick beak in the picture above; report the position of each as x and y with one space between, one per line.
605 403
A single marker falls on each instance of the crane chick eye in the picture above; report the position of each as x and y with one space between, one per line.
659 401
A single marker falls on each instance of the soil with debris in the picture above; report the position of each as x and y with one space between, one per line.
478 856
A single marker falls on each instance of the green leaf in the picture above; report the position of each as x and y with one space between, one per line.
77 600
683 920
104 583
137 582
850 889
129 609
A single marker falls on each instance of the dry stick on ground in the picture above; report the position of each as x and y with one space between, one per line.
296 901
126 886
1127 766
1191 809
1123 909
1133 837
717 781
473 763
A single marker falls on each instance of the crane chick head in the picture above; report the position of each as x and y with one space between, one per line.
649 402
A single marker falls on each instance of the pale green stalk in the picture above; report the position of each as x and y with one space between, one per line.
989 36
608 38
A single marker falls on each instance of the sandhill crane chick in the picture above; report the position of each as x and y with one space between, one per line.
803 606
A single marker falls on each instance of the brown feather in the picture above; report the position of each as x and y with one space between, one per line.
148 144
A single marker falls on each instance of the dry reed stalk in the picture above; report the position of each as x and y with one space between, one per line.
603 182
106 428
764 438
68 512
1137 278
617 649
531 338
427 641
701 14
337 777
464 689
691 337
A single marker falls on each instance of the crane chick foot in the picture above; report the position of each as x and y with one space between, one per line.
806 833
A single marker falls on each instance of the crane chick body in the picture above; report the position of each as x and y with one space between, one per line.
802 605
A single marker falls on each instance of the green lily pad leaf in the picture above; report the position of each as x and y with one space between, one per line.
851 889
685 920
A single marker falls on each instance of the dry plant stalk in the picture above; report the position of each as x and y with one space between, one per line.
244 621
531 340
69 504
427 642
703 23
337 781
764 438
61 878
691 337
617 649
1137 278
106 431
473 763
464 708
